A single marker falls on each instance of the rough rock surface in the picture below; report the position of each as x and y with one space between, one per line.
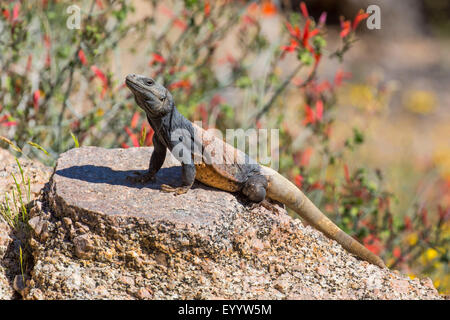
13 239
37 172
98 237
6 288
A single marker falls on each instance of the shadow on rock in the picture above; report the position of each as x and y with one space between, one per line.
100 174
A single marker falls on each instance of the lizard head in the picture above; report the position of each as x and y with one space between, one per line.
152 97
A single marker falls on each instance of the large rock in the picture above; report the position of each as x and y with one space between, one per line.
97 236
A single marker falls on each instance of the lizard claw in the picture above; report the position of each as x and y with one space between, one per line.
140 177
176 190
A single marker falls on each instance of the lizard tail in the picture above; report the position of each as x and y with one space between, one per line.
282 190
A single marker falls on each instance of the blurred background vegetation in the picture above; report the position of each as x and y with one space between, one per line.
363 114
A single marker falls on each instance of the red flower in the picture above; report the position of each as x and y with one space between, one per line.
102 77
298 180
296 33
314 33
99 74
133 137
207 8
180 24
397 252
16 11
318 186
36 97
319 110
6 14
372 243
304 9
291 47
216 100
5 123
9 124
99 3
306 33
309 116
246 19
82 57
157 58
341 75
125 146
346 27
134 120
306 155
180 84
317 57
346 173
268 8
166 11
359 17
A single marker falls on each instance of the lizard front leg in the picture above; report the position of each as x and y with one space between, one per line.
188 178
156 162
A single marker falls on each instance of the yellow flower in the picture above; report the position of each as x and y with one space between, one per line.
412 239
420 101
441 157
437 283
429 255
100 112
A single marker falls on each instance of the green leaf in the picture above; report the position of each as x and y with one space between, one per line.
16 148
354 211
142 138
305 57
75 140
319 42
37 146
20 169
227 110
63 52
244 82
358 136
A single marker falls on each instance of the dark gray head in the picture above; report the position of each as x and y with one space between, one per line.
152 97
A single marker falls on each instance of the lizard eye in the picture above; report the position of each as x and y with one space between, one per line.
149 82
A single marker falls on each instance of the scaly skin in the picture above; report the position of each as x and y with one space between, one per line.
199 152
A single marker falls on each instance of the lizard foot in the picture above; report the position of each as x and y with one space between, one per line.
176 190
141 177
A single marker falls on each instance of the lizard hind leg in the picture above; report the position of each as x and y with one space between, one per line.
255 188
176 190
